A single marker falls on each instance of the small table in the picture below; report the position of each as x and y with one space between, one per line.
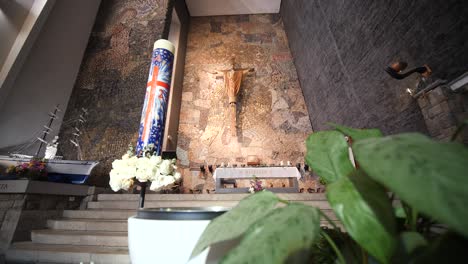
291 173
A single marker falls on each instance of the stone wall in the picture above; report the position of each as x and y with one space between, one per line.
340 50
272 118
112 80
443 112
21 213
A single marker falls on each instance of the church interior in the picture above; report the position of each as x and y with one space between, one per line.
220 99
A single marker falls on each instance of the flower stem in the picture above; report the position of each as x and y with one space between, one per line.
335 248
364 256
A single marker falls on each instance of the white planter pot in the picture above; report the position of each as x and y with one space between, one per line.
168 235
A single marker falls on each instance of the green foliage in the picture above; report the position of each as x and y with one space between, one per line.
327 154
400 212
366 213
274 238
410 246
430 176
235 222
322 181
321 252
412 241
447 248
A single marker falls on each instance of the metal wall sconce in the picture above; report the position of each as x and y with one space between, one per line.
396 68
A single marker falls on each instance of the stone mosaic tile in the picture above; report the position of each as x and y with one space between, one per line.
273 122
112 80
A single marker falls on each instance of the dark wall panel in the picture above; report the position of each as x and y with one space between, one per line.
340 49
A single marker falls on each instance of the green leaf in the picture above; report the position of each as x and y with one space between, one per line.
447 248
327 155
412 241
273 239
322 252
430 176
366 213
400 212
236 221
358 134
411 245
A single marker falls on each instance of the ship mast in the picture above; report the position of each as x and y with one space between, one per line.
79 123
48 128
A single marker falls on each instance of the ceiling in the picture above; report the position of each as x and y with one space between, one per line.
232 7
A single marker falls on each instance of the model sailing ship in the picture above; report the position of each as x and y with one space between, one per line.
58 170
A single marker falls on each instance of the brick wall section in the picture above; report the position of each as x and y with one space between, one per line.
443 111
272 117
112 80
340 49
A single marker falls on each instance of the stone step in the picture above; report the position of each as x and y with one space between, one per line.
78 224
120 225
98 214
47 253
207 197
152 204
91 214
81 238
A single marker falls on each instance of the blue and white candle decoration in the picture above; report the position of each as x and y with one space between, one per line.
153 116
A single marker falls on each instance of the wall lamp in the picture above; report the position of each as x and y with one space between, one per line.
396 68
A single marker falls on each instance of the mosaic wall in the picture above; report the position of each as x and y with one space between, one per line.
273 121
112 80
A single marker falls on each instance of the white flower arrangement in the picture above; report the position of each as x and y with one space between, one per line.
148 168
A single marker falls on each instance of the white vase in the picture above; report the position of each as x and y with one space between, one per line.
168 235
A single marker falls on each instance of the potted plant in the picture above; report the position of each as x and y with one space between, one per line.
404 201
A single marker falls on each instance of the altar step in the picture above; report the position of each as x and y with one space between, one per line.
90 222
80 238
206 197
130 201
83 218
30 252
99 233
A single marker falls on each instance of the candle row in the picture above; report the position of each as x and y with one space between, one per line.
211 168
